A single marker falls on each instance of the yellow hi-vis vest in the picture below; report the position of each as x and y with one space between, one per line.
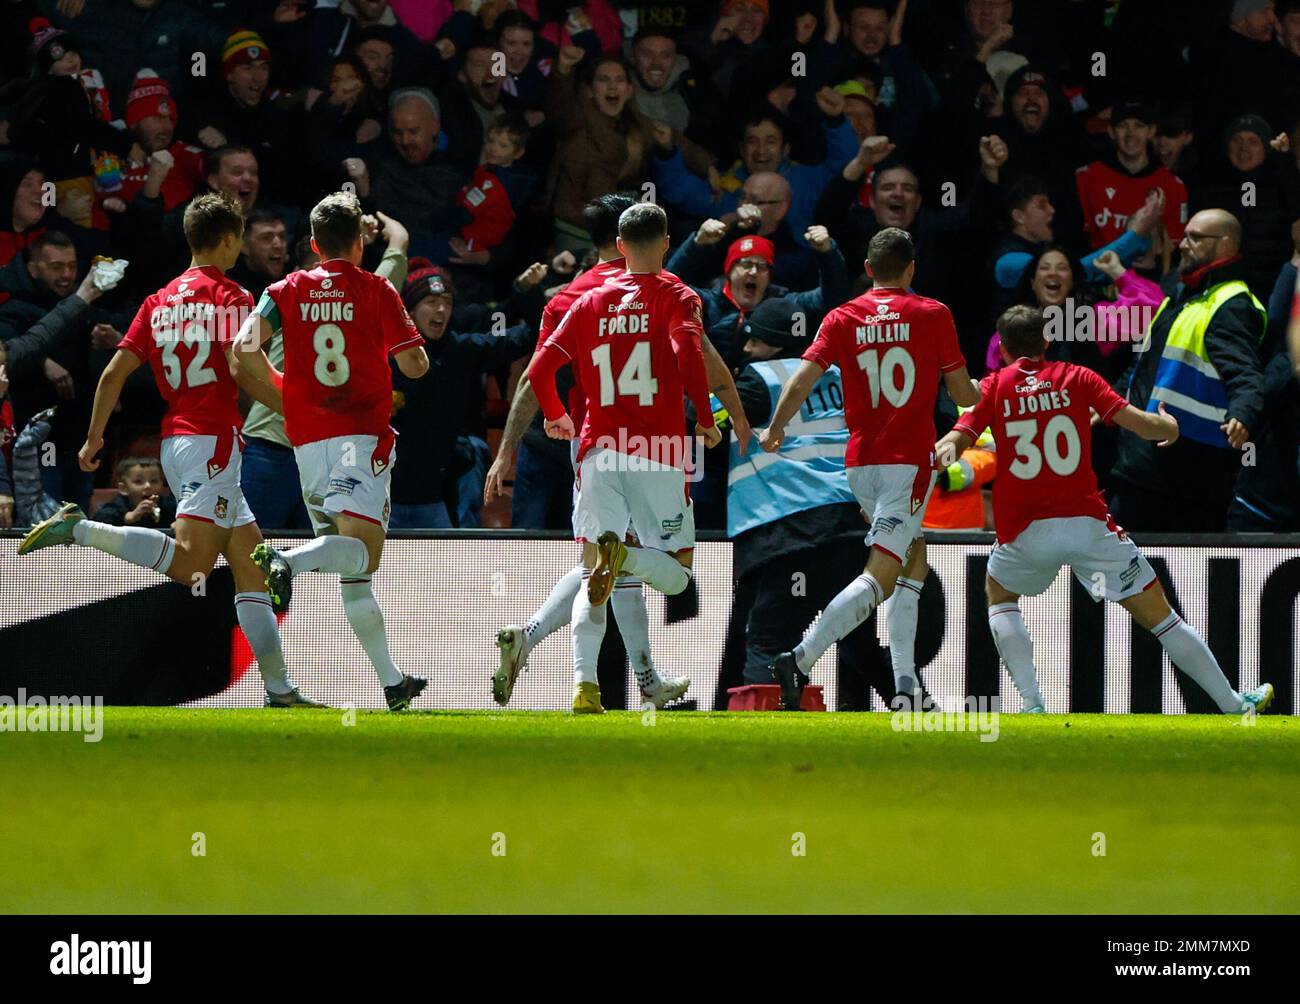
1186 381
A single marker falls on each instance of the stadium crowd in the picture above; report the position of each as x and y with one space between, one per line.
1110 160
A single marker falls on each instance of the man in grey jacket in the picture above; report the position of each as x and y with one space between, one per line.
56 343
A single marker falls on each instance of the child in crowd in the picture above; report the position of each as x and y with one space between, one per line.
144 499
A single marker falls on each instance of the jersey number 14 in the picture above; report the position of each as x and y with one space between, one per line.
634 380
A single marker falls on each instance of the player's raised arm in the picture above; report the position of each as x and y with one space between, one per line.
109 389
793 395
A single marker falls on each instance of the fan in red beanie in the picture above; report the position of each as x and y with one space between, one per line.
749 271
176 167
428 296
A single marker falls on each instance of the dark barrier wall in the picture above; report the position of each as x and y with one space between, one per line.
74 622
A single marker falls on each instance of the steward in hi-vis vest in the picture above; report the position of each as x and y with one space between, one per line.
1200 359
799 533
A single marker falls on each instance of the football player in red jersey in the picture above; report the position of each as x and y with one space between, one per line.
1048 511
339 325
892 347
516 641
184 332
635 345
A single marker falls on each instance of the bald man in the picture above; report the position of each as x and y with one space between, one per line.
763 211
418 177
1201 361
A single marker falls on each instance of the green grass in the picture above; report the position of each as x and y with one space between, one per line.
397 814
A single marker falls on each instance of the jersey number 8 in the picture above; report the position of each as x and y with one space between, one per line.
331 364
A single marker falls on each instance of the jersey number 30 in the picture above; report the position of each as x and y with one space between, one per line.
635 380
1061 460
331 364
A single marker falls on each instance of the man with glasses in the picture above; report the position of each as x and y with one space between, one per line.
1200 360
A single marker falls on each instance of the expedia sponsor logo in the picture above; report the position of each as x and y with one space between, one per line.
1031 384
190 488
327 294
672 526
1130 574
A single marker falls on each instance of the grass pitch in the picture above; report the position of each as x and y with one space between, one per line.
699 812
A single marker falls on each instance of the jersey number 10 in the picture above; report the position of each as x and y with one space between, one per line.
882 373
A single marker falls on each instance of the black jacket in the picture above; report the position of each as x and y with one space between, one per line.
1188 469
430 413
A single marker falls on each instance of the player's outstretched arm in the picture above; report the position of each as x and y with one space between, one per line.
964 391
723 384
121 366
1162 428
250 368
413 362
952 446
791 400
522 409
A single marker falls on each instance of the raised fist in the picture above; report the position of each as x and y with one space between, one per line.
819 239
830 101
710 232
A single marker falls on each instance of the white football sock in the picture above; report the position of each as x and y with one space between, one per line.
334 554
658 569
902 612
1189 653
1011 637
136 544
367 622
846 611
634 625
555 611
257 620
588 633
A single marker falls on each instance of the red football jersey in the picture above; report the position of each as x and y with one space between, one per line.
891 347
1040 416
1108 197
558 305
635 344
182 332
340 324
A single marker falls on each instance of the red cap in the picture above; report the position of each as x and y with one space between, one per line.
749 247
149 96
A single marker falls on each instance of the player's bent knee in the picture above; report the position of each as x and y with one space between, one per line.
995 592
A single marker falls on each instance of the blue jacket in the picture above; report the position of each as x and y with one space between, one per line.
683 189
